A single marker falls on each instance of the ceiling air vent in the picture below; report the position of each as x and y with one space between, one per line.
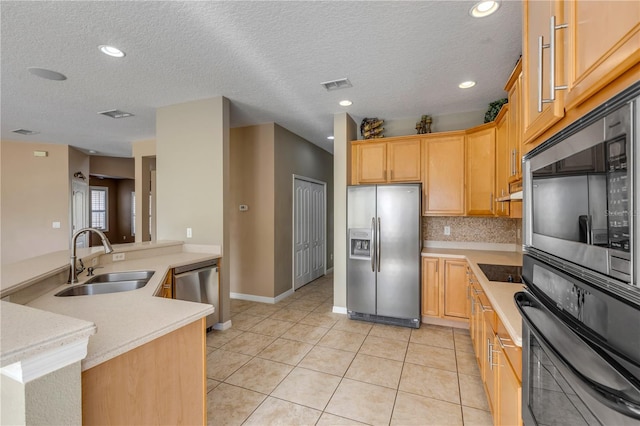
25 132
116 113
342 83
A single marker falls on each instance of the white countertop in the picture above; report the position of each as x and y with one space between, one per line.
26 332
124 320
500 294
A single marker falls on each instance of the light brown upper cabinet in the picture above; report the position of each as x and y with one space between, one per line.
443 174
543 67
603 41
571 51
504 161
371 162
514 138
481 173
386 162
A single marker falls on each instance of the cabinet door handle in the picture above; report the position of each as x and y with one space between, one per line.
502 344
491 202
540 47
552 63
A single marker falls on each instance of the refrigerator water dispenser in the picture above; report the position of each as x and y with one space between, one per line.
360 243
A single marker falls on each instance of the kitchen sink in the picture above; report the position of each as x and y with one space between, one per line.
114 282
121 276
503 273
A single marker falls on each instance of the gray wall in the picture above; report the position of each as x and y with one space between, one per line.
295 155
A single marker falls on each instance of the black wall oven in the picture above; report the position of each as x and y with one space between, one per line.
581 304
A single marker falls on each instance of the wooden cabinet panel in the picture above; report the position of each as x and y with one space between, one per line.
503 161
509 396
443 175
514 89
603 42
536 19
480 159
430 287
372 162
404 161
160 382
455 289
167 285
491 371
384 162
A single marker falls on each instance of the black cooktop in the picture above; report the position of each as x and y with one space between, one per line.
503 273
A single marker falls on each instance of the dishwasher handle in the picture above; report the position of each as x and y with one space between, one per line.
179 270
195 271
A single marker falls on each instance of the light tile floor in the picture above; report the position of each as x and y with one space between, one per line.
297 363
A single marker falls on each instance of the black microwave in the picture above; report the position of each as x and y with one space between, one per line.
580 191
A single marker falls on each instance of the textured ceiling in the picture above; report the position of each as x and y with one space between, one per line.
404 59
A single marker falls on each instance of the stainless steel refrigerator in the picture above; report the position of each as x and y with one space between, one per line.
383 265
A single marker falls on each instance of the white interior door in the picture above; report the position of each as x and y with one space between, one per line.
317 229
80 211
308 231
301 235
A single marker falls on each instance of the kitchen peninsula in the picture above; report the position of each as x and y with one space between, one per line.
156 344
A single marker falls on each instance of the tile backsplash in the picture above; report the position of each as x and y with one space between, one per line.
472 229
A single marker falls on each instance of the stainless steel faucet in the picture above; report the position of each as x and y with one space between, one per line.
73 272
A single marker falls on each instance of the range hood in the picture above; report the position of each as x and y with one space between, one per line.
511 197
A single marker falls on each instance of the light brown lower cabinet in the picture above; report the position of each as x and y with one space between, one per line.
499 360
509 390
444 288
160 382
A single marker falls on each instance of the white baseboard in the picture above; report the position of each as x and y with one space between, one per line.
252 298
329 271
339 310
222 325
283 296
261 299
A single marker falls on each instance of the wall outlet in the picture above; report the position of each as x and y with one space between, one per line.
518 233
118 256
244 207
447 230
189 233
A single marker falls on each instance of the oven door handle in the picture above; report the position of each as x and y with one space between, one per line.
606 395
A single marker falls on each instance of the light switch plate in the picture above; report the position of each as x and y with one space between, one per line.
189 233
447 230
56 225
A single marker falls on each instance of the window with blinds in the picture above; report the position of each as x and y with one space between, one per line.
99 207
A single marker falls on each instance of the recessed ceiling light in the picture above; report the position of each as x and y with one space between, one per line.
466 84
111 51
346 102
48 74
330 138
484 8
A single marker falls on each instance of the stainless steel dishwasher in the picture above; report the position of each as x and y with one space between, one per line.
198 282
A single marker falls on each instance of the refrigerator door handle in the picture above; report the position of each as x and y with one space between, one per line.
373 245
378 248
